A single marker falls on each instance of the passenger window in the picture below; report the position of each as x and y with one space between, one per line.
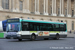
24 26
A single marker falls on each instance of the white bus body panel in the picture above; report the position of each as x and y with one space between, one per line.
29 33
1 27
25 33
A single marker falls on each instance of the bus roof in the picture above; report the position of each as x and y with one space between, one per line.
41 21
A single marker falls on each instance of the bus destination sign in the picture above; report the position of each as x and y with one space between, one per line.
13 20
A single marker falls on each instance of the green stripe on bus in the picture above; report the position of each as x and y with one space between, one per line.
54 32
1 35
33 31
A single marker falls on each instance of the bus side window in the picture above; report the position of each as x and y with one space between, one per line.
56 27
31 26
53 25
35 26
41 25
63 27
24 26
44 27
50 27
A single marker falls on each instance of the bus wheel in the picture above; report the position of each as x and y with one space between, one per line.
33 37
19 39
57 37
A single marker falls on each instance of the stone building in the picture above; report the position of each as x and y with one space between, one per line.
50 10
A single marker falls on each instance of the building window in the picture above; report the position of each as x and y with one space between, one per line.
72 25
5 4
72 13
21 5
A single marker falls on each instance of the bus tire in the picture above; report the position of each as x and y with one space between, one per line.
19 39
33 37
57 37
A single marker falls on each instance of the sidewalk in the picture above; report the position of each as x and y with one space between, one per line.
70 35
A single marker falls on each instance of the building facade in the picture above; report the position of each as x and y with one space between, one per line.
50 10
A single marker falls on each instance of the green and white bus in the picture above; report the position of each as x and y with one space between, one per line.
33 29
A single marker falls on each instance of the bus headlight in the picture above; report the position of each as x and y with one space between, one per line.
19 35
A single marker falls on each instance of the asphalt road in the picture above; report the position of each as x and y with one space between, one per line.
40 44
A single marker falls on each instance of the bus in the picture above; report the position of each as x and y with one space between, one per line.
33 29
4 22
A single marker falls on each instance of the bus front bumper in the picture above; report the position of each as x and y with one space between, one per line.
13 37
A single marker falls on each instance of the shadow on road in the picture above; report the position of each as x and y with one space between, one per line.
27 40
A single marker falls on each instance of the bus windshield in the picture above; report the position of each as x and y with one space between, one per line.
13 27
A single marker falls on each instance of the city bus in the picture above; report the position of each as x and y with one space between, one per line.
33 29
